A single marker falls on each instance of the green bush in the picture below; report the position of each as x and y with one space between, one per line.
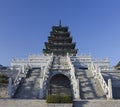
3 79
66 99
59 99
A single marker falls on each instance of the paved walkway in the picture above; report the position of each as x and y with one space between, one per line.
22 103
96 103
42 103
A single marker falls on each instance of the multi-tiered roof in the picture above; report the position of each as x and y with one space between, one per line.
60 42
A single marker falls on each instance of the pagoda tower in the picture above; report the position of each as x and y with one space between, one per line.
60 42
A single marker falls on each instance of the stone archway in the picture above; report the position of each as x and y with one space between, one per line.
60 85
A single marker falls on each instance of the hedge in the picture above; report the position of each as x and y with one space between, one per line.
58 99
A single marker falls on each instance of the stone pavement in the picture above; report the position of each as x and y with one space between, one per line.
42 103
22 103
29 103
96 103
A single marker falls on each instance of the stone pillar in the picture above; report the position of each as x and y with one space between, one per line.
78 88
41 95
52 54
67 54
10 88
110 96
75 88
23 71
22 68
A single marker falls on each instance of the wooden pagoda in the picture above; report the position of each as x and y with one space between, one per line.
60 42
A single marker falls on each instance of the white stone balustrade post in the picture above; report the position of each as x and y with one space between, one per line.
67 54
78 89
110 95
23 70
41 95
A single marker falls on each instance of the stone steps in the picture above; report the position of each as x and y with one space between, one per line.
29 89
89 86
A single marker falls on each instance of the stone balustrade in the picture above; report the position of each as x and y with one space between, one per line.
14 84
32 60
96 71
74 81
87 59
43 80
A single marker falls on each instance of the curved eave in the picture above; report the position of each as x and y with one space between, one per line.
68 45
60 52
58 34
60 28
53 39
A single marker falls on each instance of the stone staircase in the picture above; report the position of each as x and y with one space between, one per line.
89 86
29 88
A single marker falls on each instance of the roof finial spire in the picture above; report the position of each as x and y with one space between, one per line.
60 23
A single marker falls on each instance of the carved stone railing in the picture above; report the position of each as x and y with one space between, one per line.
14 84
74 81
96 71
44 78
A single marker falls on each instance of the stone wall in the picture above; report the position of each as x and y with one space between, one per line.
3 91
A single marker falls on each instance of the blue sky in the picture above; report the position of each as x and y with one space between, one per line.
26 24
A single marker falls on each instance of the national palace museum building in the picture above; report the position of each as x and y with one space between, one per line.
60 70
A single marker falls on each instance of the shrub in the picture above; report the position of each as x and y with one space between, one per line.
3 79
66 99
59 99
